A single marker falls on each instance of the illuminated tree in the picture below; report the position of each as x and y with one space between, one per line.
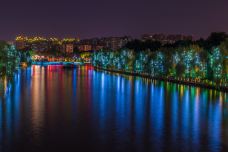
176 58
216 61
9 59
156 64
141 61
224 51
187 56
191 61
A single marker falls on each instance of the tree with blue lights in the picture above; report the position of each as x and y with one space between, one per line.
191 63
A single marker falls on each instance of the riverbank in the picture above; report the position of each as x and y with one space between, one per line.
184 82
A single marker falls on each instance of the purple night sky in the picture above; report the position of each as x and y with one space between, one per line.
97 18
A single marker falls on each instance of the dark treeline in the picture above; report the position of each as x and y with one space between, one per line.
215 39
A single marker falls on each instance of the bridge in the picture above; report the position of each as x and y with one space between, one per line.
44 63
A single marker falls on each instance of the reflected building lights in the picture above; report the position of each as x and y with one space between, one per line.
124 109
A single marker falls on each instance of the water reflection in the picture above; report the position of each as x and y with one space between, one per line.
55 109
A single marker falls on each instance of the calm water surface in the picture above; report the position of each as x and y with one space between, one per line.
56 109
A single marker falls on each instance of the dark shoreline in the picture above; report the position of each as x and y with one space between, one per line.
201 85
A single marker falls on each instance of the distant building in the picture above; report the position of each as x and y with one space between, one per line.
112 43
98 47
85 47
94 43
164 39
115 43
20 43
40 44
68 48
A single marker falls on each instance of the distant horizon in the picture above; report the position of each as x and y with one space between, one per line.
104 36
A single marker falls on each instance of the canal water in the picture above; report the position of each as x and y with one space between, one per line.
56 109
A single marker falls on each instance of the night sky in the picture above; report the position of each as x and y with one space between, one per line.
97 18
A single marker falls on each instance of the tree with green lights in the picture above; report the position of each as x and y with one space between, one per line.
189 61
9 59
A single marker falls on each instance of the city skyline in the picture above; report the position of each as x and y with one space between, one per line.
88 19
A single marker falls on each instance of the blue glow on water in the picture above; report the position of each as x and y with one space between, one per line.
101 111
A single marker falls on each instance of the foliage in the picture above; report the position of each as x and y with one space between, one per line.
138 45
9 59
191 62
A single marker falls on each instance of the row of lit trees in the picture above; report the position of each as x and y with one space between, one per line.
189 63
